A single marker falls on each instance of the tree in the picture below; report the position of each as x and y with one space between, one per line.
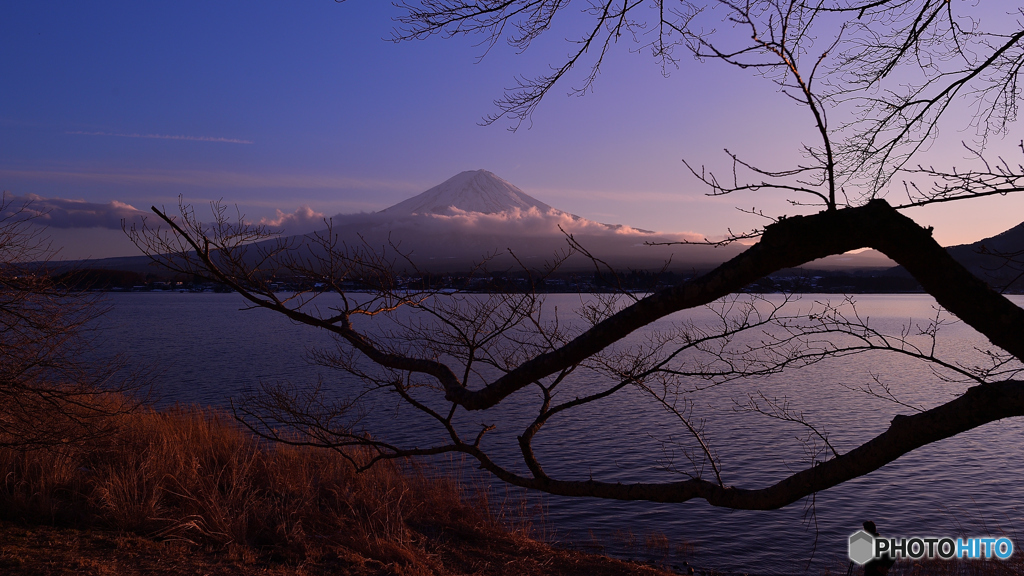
888 69
51 394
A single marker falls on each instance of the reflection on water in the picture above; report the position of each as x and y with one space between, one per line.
206 350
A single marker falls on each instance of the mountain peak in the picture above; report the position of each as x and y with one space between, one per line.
469 191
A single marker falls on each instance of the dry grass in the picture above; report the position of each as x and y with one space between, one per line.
193 481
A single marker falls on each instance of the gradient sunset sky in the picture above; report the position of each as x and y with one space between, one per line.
307 109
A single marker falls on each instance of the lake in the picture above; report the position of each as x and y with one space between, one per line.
204 349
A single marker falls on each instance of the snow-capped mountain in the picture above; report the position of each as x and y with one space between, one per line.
476 216
470 191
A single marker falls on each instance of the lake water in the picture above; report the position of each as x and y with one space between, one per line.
205 350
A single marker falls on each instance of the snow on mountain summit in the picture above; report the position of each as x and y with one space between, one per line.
478 202
470 191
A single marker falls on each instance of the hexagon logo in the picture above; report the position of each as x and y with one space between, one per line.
862 547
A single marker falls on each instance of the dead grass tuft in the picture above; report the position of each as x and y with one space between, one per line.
193 475
171 488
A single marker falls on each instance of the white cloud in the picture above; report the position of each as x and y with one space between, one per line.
62 213
303 220
533 222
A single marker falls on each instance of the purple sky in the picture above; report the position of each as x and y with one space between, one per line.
305 109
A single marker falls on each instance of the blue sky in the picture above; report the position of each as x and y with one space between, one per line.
276 106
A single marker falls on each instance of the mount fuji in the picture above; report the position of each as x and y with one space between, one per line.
476 214
482 192
471 191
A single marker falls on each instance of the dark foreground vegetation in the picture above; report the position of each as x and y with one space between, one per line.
186 491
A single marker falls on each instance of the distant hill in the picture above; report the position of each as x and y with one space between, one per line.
986 258
862 260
